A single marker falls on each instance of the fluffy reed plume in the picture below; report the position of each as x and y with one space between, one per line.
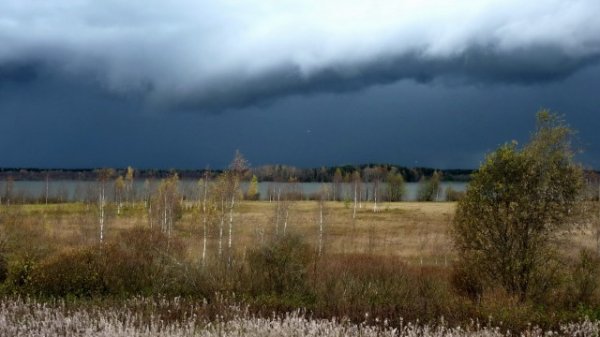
145 318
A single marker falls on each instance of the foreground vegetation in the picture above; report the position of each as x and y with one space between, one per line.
395 265
29 318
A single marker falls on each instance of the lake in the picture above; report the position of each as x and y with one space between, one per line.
75 190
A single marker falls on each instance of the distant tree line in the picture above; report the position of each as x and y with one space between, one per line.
273 173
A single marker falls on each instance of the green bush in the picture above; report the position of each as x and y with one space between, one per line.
585 278
3 268
72 273
280 268
140 261
454 195
466 282
20 272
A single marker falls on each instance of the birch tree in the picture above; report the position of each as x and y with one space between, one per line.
252 193
395 186
129 190
166 204
357 187
219 195
286 195
322 197
205 178
8 190
337 185
47 187
233 175
103 176
119 189
429 189
374 175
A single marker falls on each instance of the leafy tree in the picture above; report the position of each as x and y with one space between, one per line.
395 186
337 184
515 206
120 188
252 193
429 189
129 184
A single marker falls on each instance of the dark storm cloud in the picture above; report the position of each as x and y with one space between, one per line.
207 55
476 66
18 73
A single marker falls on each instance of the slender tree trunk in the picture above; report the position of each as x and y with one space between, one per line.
375 198
287 213
229 245
360 197
320 227
150 217
46 189
355 200
221 227
204 221
164 222
278 212
102 214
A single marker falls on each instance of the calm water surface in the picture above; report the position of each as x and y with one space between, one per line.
73 190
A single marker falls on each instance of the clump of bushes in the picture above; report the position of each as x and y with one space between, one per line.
3 268
140 261
278 270
454 195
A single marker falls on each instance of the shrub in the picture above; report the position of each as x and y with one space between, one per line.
19 273
454 195
280 268
429 189
3 269
141 261
585 277
466 283
72 273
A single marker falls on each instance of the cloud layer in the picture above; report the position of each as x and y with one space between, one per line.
215 55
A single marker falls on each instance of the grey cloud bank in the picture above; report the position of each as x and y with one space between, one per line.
183 84
218 55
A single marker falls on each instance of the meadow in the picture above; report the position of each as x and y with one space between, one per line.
376 270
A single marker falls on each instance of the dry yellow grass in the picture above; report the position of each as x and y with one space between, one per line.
416 232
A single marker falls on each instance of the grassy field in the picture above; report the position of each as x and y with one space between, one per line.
395 264
415 232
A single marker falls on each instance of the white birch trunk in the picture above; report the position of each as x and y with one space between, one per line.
287 213
278 212
46 189
355 199
231 221
164 222
204 221
221 227
375 198
102 213
320 227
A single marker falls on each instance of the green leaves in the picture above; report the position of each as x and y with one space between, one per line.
516 203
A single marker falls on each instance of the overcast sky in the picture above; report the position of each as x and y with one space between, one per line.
182 84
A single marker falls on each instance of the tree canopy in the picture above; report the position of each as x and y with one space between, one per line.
516 204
